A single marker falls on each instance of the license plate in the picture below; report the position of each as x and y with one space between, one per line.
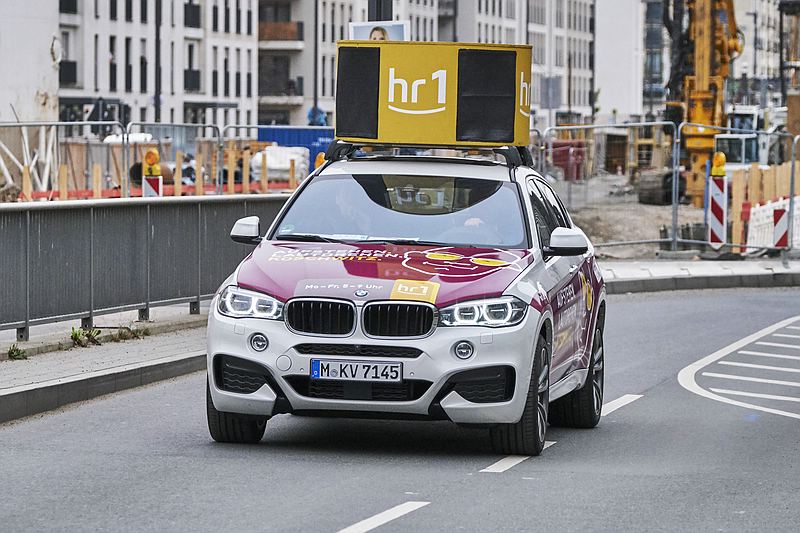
356 370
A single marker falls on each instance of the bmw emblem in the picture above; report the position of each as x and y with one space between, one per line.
361 293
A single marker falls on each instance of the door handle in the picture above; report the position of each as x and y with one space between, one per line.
573 268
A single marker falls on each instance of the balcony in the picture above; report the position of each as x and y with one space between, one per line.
281 92
280 35
69 7
67 73
191 15
191 80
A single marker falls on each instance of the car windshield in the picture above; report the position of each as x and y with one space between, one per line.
732 147
402 208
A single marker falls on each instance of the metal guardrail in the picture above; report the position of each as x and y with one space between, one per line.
66 260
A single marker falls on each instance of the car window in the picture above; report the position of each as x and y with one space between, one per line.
442 209
555 205
545 222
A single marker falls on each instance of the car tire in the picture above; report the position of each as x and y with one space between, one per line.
230 427
526 437
582 408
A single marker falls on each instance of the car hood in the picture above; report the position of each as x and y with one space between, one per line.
441 275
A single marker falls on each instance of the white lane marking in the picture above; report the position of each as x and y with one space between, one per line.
786 335
613 405
754 380
686 377
757 395
382 518
761 367
512 460
779 345
792 327
775 355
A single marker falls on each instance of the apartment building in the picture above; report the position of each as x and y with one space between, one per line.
290 81
624 74
112 49
757 70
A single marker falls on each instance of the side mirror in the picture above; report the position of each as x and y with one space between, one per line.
567 241
247 230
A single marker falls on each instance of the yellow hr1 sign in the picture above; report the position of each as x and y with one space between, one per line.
446 94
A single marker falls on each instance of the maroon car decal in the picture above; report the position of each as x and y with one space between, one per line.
439 275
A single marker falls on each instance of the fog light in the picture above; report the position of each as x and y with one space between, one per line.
258 342
464 350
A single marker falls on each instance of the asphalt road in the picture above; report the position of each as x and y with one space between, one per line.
667 459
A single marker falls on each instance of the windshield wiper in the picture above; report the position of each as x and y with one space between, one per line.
307 237
407 240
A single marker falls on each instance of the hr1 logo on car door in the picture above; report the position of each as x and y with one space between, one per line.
410 92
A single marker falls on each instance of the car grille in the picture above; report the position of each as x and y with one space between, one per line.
238 375
408 390
485 385
398 319
358 350
321 317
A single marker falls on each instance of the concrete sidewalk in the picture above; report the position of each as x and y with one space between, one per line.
54 377
652 276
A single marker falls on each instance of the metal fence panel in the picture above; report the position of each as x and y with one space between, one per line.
12 267
173 251
120 254
60 262
220 254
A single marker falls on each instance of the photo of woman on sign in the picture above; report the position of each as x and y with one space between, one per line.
378 34
380 30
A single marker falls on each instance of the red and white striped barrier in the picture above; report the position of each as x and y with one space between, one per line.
763 223
718 212
780 234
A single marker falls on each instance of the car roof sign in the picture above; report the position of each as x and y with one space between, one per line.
434 94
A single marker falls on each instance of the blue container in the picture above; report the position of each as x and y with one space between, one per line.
315 138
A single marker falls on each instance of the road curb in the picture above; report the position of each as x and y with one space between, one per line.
680 283
27 400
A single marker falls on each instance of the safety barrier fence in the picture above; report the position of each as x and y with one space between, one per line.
82 259
101 159
626 186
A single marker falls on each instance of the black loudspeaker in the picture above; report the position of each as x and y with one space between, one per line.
358 77
486 95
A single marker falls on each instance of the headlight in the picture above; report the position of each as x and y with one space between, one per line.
497 312
241 303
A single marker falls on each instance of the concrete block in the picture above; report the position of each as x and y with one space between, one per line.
13 406
42 399
100 385
128 379
71 392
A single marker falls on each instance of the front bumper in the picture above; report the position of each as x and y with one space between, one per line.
437 365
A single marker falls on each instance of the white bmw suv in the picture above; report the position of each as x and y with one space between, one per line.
414 287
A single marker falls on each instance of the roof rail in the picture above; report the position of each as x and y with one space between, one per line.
515 156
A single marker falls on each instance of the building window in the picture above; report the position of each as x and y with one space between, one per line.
324 26
129 10
97 9
172 67
214 72
143 11
226 76
112 64
341 21
333 22
227 15
96 55
249 17
112 9
333 76
238 16
128 66
324 78
143 67
215 17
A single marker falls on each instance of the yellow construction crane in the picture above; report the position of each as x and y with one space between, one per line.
709 47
